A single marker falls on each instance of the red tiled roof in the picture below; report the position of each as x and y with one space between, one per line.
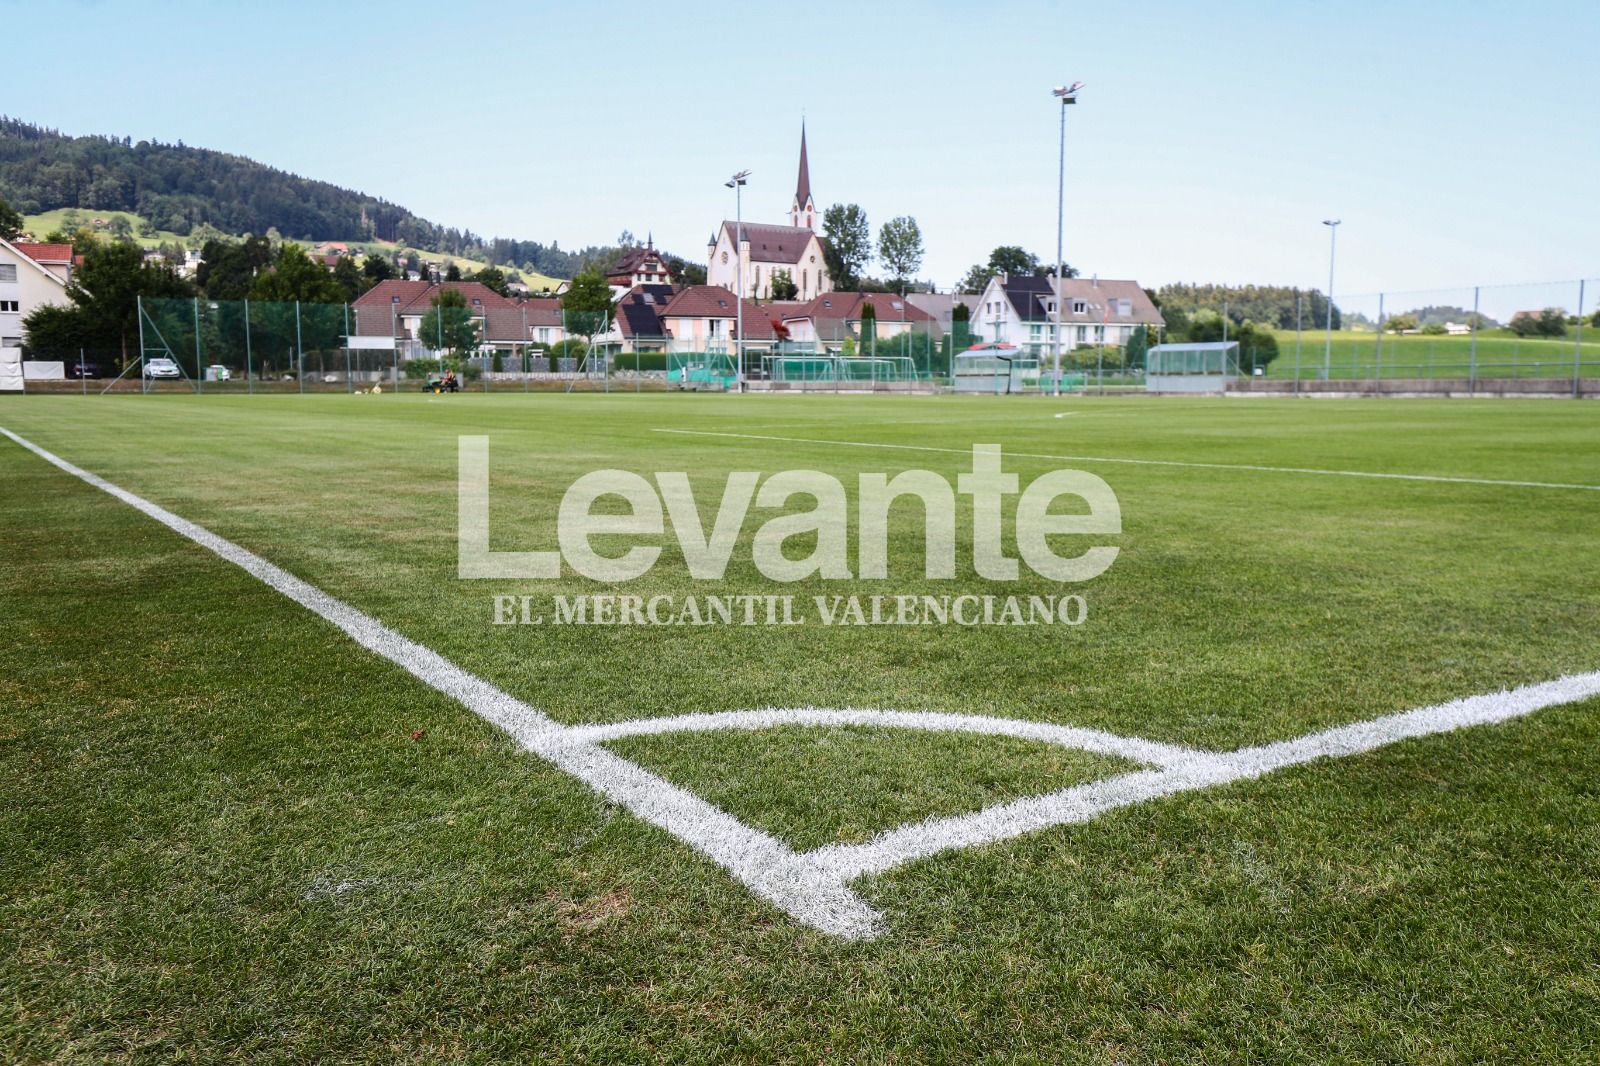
545 311
714 301
846 307
417 296
701 301
45 253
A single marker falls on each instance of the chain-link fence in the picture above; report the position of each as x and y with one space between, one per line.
1534 338
1500 338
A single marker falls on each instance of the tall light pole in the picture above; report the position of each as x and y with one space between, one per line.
1327 342
736 183
1067 94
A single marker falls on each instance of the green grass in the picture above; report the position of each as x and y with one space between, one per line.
223 842
1499 354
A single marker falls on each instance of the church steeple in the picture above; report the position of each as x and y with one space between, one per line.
803 212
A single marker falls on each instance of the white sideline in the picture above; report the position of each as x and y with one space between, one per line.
1248 467
813 887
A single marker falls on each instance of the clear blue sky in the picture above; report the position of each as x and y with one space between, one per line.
1457 140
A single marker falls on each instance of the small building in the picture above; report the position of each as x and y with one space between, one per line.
1191 368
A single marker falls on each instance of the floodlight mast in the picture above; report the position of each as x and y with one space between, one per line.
1067 94
737 183
1327 342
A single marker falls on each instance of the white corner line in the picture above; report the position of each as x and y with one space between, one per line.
813 888
1246 467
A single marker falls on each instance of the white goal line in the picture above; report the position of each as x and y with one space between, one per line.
813 887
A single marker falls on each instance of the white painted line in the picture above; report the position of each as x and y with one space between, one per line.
1084 802
764 863
813 888
1134 749
1248 467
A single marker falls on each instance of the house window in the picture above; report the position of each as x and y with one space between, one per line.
8 272
1079 307
394 299
9 306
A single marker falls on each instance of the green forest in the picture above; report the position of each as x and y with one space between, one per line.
178 188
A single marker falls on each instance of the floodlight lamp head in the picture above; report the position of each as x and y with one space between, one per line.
737 179
1331 221
1067 94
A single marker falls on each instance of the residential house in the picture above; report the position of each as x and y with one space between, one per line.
1022 311
638 266
942 306
31 276
545 325
637 325
395 308
705 318
825 321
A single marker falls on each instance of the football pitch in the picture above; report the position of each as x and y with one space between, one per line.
1308 773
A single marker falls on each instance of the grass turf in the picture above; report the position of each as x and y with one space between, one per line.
226 841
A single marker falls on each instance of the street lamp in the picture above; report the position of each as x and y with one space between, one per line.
1327 343
736 183
1067 94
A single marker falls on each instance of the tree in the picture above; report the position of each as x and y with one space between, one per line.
448 326
1434 329
296 277
452 272
1400 323
1133 353
1551 322
869 328
493 278
227 270
900 248
1015 261
348 278
105 294
376 268
121 229
847 244
586 306
782 286
10 222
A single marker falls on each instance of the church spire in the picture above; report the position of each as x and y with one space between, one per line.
803 212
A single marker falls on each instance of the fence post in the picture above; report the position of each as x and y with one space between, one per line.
1577 349
83 373
144 382
349 382
199 359
1297 300
1378 356
299 351
249 367
1472 351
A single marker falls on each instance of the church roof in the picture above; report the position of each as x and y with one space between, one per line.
772 244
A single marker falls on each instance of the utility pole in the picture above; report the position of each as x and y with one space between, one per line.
1067 94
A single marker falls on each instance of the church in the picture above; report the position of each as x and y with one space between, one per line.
766 249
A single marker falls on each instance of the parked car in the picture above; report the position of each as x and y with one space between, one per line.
83 369
162 368
218 372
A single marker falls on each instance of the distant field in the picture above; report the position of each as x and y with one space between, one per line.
44 223
1499 354
234 833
